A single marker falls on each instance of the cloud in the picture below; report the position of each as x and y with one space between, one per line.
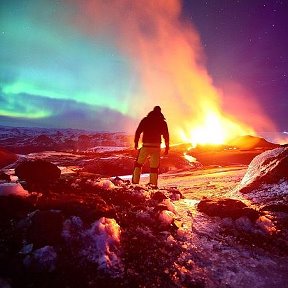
166 54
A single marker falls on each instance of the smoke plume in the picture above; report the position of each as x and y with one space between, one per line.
166 57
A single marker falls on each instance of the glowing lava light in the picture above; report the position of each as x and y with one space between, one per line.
214 129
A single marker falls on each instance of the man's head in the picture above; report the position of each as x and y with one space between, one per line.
157 109
156 112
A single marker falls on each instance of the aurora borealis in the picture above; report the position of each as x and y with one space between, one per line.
50 70
102 65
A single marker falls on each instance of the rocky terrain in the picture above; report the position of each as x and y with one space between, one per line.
26 140
68 220
7 157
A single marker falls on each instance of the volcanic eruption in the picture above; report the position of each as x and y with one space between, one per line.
168 64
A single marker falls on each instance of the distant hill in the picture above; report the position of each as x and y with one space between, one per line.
249 142
240 150
23 140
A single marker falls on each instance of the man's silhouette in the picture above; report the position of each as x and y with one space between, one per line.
153 126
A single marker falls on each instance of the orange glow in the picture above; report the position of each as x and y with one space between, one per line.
213 129
169 66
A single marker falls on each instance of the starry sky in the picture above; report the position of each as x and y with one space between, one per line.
246 43
93 65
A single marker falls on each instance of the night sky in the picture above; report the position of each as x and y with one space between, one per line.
246 42
82 64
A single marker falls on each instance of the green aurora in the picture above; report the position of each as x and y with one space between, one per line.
44 56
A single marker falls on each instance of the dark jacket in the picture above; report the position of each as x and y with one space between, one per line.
153 127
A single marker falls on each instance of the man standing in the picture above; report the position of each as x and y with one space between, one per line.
153 126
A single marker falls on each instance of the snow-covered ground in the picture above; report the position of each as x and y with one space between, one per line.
16 189
212 250
215 252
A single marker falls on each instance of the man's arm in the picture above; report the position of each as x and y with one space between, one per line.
166 137
138 133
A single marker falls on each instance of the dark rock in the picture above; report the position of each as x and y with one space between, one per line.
5 177
275 208
37 171
45 228
159 196
42 260
227 208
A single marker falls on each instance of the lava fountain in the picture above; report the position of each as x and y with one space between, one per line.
214 129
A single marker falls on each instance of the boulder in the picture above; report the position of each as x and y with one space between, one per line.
269 167
265 183
226 207
158 196
37 171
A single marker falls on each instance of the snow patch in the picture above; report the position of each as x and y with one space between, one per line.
43 259
71 228
15 189
104 237
98 245
106 149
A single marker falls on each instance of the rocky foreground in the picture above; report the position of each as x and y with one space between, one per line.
81 230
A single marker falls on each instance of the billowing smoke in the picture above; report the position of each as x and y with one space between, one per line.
241 103
167 60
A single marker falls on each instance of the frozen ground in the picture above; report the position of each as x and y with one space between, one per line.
222 252
215 252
